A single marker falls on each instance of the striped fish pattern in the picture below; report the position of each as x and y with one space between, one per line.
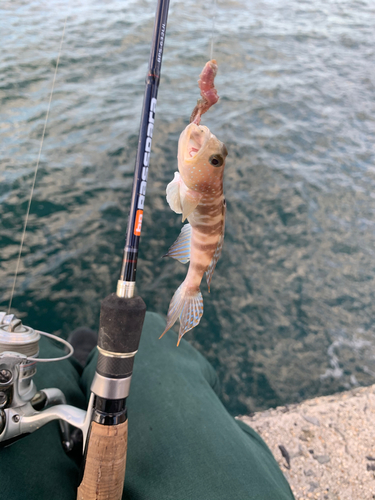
196 192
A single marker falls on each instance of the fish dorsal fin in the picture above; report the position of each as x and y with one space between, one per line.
189 200
173 193
180 250
219 247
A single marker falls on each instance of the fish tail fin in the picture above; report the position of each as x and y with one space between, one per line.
186 305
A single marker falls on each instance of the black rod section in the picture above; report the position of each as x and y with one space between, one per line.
129 264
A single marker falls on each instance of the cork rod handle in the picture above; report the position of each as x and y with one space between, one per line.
104 471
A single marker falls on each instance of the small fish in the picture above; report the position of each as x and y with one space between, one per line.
196 192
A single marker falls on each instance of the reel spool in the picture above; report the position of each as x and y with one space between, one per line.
21 339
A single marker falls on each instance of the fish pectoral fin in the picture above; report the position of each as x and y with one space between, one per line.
189 202
219 247
188 307
173 193
180 250
181 199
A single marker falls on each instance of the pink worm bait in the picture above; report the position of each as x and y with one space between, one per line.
208 91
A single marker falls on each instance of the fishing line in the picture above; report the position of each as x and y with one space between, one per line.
213 28
36 171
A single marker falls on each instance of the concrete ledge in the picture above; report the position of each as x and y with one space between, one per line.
325 446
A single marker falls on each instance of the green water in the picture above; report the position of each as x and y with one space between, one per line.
291 309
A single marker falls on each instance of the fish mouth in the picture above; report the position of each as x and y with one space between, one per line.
196 138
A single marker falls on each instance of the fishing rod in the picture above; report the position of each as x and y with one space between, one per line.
126 283
121 317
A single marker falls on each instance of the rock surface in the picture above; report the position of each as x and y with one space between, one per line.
325 446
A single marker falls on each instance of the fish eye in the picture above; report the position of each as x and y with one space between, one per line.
216 160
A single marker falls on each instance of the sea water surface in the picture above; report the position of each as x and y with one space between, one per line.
291 310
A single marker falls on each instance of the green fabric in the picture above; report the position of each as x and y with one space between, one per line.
183 445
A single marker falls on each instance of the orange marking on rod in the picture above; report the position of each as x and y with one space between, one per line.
138 222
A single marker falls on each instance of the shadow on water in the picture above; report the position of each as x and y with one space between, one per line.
290 314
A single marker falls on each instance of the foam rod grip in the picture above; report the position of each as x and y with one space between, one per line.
104 471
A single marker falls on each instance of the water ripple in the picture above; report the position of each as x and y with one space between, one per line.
295 285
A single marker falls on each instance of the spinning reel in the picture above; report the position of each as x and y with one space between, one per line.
24 409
